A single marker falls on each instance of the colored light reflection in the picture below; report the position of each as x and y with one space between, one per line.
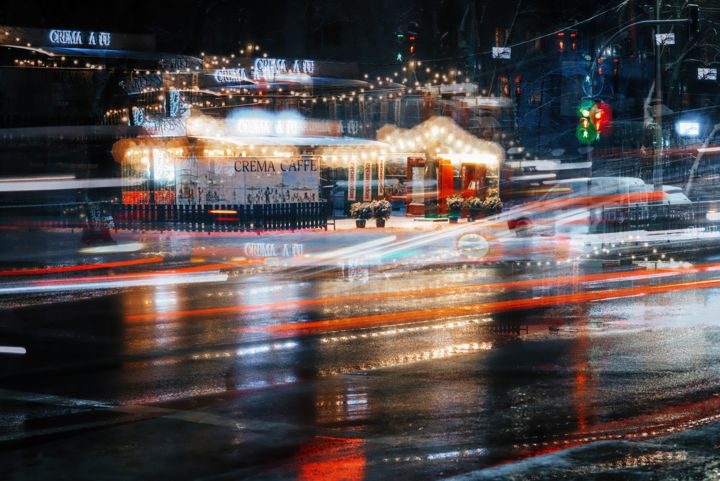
360 322
331 459
522 284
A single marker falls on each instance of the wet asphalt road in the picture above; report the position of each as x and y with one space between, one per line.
409 373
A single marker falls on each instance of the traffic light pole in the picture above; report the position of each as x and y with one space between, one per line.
593 66
693 20
658 157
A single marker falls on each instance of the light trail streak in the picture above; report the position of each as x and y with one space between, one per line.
145 275
223 211
354 250
85 267
36 179
40 184
128 247
109 284
12 350
375 320
529 283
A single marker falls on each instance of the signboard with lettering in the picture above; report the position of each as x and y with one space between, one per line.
70 38
135 84
180 63
664 39
350 127
231 75
704 73
381 178
77 38
367 181
253 180
501 52
268 249
281 69
351 180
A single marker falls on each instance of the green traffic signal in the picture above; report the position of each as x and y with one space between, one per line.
584 108
586 131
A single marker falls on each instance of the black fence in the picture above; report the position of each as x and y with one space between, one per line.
192 218
220 217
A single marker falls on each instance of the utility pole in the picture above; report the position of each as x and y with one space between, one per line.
658 157
693 21
471 66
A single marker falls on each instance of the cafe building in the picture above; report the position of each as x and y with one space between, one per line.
255 158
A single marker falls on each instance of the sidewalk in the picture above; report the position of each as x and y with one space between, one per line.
397 222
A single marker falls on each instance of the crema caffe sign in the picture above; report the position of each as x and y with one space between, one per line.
78 38
267 69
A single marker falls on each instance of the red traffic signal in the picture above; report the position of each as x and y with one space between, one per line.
601 117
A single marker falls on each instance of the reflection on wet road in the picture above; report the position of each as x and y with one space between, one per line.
321 373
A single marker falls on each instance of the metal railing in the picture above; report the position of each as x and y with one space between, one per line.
191 218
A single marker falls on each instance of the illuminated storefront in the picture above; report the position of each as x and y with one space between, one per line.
252 158
256 158
443 160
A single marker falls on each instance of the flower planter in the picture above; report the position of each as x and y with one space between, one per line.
472 216
360 223
380 222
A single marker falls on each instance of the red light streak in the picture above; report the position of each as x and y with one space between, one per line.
546 282
141 275
85 267
474 309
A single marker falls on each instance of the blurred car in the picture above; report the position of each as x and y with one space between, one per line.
578 206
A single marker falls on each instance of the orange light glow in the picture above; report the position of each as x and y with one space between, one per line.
223 211
528 283
331 459
141 275
475 309
85 267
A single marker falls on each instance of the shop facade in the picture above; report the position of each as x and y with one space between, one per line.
252 164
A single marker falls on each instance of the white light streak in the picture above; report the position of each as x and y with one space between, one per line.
40 183
12 350
354 250
129 247
148 281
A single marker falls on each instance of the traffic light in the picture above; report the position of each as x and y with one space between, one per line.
567 39
601 115
586 131
595 120
412 36
399 42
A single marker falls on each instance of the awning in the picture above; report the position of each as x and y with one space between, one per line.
157 57
300 141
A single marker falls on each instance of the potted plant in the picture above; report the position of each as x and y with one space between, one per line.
473 205
454 206
492 205
361 212
381 210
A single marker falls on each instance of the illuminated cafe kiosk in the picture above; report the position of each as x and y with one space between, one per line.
441 159
252 165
